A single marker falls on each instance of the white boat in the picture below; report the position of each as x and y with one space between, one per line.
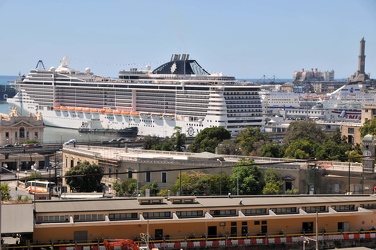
179 93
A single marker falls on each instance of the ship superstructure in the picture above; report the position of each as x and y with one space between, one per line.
179 93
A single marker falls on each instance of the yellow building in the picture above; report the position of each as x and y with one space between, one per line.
17 129
175 221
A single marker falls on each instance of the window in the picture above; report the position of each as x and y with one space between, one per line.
350 130
130 174
164 177
109 172
22 132
147 176
36 134
190 214
123 216
6 134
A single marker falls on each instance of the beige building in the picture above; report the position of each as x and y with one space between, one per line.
351 130
368 112
164 167
18 129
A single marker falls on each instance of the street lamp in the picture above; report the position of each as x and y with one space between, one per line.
220 180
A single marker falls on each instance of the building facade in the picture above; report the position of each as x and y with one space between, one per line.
15 129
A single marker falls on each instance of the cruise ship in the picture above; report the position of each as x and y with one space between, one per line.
178 94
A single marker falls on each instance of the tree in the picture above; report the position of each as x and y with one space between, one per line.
272 149
307 129
5 191
273 182
149 141
300 149
245 178
369 127
208 139
34 175
125 188
228 147
178 138
85 177
250 140
153 187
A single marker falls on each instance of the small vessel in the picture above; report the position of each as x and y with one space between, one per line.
6 91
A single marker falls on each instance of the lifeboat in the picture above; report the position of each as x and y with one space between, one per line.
78 109
86 110
135 113
94 110
125 112
109 111
70 108
102 111
117 112
63 108
57 108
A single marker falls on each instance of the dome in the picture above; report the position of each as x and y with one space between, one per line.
368 137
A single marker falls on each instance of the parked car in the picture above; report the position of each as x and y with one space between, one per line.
7 146
32 145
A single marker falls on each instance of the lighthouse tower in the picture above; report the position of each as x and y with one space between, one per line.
360 75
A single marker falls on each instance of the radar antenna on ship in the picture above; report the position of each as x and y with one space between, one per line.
40 65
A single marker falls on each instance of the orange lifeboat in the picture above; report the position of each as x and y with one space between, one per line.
57 108
109 111
94 110
63 108
135 113
117 112
125 112
102 111
86 110
78 109
70 108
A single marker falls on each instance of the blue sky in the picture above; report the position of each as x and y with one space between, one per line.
244 38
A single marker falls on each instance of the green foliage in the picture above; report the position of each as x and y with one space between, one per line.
23 198
369 127
5 191
306 129
85 177
250 140
294 191
178 139
175 143
149 141
247 177
272 188
34 176
200 183
332 150
208 139
272 149
300 149
125 188
229 147
273 183
154 189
